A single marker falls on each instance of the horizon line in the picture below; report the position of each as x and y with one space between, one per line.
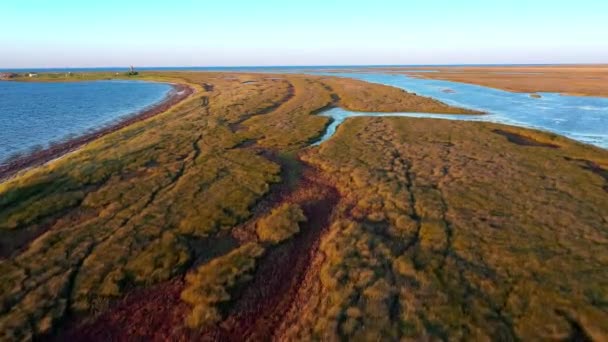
301 66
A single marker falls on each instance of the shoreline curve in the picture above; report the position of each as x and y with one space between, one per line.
8 169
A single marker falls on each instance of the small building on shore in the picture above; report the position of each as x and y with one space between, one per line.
33 74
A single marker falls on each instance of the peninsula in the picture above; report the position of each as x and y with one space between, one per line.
218 219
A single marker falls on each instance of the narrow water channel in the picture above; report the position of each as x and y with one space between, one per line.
580 118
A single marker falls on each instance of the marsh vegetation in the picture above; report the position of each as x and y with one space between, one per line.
219 217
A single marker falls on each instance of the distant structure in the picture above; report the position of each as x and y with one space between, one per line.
33 74
132 71
7 75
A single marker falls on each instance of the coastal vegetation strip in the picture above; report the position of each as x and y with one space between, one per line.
10 167
590 80
218 216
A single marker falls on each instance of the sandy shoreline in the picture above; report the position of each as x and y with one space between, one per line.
582 80
7 170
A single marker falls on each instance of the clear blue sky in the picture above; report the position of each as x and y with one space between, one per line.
82 33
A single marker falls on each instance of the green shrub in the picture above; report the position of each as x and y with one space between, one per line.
281 224
211 283
159 261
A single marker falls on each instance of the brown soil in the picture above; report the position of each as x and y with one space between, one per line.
522 140
179 93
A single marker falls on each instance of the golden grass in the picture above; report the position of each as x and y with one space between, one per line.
451 231
444 229
281 223
209 285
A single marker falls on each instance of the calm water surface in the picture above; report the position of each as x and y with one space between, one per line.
578 117
36 114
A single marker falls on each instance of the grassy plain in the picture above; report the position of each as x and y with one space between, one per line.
393 228
582 80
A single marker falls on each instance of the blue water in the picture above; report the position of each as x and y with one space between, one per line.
36 114
578 117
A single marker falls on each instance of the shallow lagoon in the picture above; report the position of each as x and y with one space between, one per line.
578 117
34 114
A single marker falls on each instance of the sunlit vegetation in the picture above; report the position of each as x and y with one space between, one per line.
416 228
359 96
281 223
210 284
290 125
451 231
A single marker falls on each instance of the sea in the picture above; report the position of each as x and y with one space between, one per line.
34 115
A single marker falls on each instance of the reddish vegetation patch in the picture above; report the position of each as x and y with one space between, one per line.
37 158
152 314
263 304
157 313
522 140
